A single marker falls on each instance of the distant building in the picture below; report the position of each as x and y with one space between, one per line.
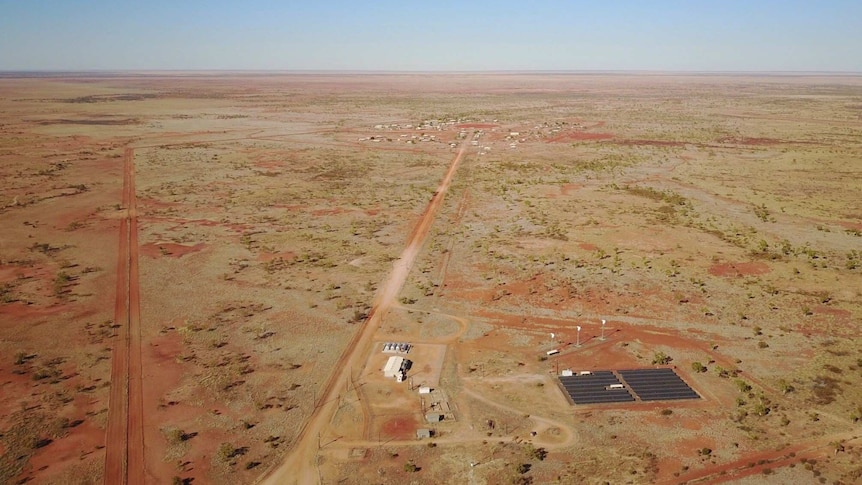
433 417
423 433
424 390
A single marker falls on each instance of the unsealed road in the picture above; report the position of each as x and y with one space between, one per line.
124 439
300 465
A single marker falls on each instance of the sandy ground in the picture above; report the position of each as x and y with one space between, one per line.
279 228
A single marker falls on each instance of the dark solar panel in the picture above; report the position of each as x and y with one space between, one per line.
594 388
647 384
657 384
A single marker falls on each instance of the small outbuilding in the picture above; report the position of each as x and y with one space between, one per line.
433 417
424 390
423 433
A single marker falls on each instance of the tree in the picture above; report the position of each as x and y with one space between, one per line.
760 409
785 387
660 358
226 451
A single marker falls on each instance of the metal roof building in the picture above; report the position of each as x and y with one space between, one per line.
433 417
393 366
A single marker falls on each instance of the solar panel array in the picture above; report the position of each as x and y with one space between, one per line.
594 388
657 384
627 385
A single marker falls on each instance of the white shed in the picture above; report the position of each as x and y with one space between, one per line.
393 366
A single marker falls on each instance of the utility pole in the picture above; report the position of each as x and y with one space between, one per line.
578 344
603 329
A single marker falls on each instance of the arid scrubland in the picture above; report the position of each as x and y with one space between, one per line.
715 222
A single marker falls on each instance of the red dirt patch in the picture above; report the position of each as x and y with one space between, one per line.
569 188
654 143
739 269
580 136
852 225
329 212
81 442
477 125
173 250
835 312
401 427
749 141
587 246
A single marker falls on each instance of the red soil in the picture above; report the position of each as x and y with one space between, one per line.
153 203
477 125
580 136
739 269
569 188
749 141
401 427
835 312
654 143
852 225
329 212
587 246
124 457
173 250
273 164
60 454
183 223
163 373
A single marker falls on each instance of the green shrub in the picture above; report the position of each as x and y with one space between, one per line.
660 358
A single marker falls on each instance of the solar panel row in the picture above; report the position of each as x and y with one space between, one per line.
595 388
657 384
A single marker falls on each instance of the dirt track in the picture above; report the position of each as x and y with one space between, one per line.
124 457
300 465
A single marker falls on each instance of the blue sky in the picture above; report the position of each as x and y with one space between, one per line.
727 35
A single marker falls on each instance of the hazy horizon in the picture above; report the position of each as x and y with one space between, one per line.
446 36
429 71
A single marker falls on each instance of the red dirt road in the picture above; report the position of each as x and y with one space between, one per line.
300 466
124 457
